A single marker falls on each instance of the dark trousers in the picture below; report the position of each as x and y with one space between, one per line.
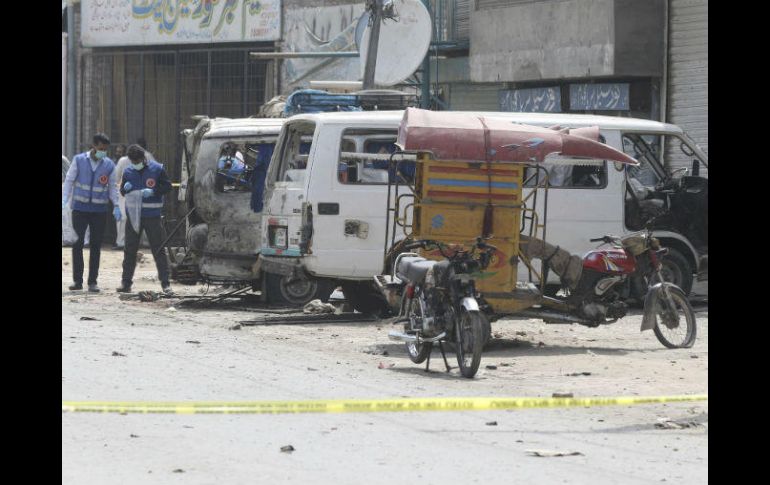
81 221
154 230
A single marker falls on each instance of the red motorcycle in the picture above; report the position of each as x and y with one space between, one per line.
598 295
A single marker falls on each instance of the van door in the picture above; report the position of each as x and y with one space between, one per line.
286 183
349 195
584 202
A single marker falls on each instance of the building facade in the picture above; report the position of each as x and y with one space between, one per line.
145 67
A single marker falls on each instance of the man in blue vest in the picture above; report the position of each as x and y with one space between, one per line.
149 177
91 183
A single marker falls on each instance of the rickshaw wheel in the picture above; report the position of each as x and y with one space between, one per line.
365 298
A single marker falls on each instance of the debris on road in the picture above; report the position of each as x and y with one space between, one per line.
287 449
492 367
117 354
550 453
562 394
668 423
134 435
148 296
178 470
375 350
578 374
491 423
237 326
90 318
170 309
383 366
191 342
317 306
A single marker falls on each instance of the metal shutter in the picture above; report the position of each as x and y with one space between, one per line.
687 104
462 20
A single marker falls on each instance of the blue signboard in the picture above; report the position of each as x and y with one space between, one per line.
599 97
532 100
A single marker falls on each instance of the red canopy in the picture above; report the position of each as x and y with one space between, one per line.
467 136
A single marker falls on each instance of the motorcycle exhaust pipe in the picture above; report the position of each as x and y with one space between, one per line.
553 317
405 337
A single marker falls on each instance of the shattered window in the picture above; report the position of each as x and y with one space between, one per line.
365 158
563 175
296 141
237 162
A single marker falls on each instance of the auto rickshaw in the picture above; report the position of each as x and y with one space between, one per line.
468 194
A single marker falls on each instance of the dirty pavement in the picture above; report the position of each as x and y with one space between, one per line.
127 350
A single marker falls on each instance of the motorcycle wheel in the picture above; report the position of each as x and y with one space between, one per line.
469 340
679 336
417 352
676 269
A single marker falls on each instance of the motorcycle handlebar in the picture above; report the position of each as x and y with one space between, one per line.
414 245
606 239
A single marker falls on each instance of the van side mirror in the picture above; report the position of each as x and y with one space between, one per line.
695 168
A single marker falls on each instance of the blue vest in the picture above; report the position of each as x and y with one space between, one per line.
92 187
146 178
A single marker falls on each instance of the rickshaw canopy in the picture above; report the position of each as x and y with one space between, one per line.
467 136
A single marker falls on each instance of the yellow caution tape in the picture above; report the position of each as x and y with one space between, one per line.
365 405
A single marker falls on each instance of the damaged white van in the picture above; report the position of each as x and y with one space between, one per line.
325 215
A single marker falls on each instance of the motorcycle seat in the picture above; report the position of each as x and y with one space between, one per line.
413 268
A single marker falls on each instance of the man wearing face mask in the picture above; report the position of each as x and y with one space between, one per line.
90 182
123 163
145 182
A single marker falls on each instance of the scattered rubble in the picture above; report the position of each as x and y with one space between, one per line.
317 306
550 453
668 423
287 449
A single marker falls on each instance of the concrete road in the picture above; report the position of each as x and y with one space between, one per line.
189 355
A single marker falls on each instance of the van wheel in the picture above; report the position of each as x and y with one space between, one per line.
676 269
288 290
365 298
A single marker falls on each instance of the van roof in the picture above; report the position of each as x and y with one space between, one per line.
541 119
225 127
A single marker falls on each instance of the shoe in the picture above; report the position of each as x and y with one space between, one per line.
93 288
76 286
167 290
124 289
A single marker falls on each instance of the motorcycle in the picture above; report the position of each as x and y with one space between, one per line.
606 280
439 303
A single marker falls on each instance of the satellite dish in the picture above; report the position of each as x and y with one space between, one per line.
403 43
363 21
